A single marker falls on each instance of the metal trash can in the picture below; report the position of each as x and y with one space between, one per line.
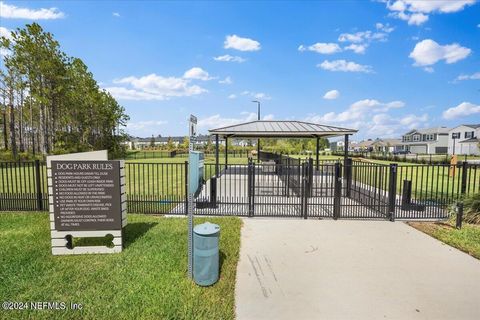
205 253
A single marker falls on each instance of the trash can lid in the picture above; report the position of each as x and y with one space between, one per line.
206 229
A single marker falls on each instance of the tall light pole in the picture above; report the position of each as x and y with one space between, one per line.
258 118
258 108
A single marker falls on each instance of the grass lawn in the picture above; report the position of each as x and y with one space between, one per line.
429 182
148 280
466 239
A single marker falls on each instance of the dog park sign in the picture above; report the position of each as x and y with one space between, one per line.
87 199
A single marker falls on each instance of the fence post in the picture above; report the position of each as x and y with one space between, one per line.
304 193
186 187
251 187
459 219
392 191
406 194
213 192
38 186
337 196
348 176
287 183
463 189
310 177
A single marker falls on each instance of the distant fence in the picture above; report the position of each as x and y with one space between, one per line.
157 154
161 187
411 158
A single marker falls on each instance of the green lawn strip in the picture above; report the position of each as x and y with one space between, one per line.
146 281
466 239
429 182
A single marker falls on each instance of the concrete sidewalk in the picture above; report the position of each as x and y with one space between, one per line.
325 269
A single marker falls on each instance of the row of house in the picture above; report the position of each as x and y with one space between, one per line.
463 139
159 141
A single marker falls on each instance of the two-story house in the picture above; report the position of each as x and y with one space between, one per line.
426 141
464 139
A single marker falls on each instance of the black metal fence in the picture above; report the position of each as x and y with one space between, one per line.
283 187
23 186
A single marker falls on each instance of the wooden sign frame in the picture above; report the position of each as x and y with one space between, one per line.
60 240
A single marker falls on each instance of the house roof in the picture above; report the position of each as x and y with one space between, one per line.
364 144
387 142
429 130
470 140
281 128
473 126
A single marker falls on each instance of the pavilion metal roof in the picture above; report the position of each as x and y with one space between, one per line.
280 129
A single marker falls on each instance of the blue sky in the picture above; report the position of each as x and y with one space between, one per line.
382 67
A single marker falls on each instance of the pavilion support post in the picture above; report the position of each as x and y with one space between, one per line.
345 149
258 150
226 153
345 156
317 152
216 155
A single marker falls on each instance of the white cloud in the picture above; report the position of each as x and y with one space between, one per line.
153 87
123 93
366 36
474 76
417 19
384 27
227 80
462 110
331 95
4 32
197 74
344 66
429 6
428 52
4 52
361 110
416 11
116 14
320 47
357 48
257 95
9 11
429 69
242 44
385 125
142 125
372 118
232 96
216 121
229 58
359 41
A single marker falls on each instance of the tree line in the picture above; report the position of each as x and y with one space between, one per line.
292 146
50 102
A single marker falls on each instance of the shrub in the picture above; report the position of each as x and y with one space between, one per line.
471 208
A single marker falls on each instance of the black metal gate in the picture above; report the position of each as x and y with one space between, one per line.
288 187
280 186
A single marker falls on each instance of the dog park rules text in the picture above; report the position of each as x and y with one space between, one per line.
86 195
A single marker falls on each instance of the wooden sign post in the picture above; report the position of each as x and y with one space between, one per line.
87 199
453 165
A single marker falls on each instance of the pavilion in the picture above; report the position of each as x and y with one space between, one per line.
278 129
